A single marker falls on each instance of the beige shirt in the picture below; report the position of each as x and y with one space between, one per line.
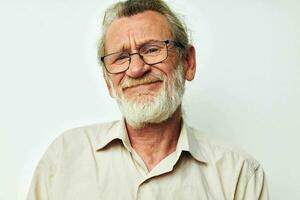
97 162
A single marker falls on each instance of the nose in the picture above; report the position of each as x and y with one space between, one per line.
137 67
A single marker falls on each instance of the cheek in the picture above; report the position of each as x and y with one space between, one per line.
116 79
167 68
113 82
172 64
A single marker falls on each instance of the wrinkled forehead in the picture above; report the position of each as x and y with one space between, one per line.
127 33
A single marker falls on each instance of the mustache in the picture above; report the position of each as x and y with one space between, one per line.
131 82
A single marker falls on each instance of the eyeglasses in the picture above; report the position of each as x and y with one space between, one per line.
151 53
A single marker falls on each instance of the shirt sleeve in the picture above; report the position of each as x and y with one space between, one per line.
256 187
40 188
39 185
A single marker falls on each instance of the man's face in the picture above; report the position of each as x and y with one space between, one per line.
144 89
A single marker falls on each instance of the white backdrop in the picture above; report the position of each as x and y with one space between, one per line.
246 91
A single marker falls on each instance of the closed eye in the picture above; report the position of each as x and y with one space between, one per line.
152 50
122 57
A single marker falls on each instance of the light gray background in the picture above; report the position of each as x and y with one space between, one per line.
246 91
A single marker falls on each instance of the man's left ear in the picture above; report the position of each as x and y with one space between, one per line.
190 63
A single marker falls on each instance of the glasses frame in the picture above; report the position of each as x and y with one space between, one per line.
166 42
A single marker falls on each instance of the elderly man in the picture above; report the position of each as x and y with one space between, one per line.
151 153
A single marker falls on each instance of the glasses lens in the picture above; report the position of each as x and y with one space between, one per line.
116 62
154 52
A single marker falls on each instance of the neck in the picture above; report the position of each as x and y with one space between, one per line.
154 142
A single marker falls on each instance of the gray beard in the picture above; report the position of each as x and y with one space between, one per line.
146 109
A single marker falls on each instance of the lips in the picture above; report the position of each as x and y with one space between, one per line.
140 84
130 82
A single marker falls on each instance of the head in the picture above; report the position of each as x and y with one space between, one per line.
146 92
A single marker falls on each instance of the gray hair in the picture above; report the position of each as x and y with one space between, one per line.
132 7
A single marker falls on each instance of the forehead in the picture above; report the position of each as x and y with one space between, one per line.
130 32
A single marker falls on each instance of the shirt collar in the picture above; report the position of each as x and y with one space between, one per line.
117 130
187 140
190 143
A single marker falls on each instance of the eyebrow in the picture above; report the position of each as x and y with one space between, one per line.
125 48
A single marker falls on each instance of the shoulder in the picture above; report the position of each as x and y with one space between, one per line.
233 167
77 138
225 156
239 174
90 132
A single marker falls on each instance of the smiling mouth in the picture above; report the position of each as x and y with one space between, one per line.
141 84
